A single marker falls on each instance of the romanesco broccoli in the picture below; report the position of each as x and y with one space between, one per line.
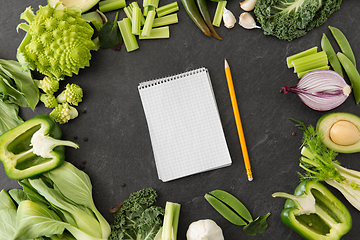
48 85
49 100
72 94
292 19
57 43
63 113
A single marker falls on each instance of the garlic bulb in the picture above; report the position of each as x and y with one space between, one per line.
228 18
247 21
205 229
248 5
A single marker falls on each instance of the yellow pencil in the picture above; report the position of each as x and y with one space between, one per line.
238 121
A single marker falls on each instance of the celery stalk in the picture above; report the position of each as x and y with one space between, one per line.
171 221
153 3
148 24
135 4
166 20
219 13
111 5
301 74
147 9
136 20
128 12
129 38
167 9
300 55
310 62
156 33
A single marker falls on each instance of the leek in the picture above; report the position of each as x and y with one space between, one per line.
156 33
219 13
129 38
111 5
300 55
166 20
167 9
148 24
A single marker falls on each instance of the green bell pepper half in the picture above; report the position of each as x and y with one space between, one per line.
314 212
33 147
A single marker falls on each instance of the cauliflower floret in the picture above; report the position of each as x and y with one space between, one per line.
72 94
63 113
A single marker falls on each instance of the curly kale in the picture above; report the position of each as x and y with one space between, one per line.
290 19
137 218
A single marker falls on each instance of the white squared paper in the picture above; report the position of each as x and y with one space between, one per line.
184 124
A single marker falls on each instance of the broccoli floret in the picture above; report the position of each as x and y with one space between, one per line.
57 42
63 113
293 18
72 94
49 100
48 85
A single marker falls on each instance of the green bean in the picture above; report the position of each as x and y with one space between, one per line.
331 55
352 73
232 202
343 44
225 211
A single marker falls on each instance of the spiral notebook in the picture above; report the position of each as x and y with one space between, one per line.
184 124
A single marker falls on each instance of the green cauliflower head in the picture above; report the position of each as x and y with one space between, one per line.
57 43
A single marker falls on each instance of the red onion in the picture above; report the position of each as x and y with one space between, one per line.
321 90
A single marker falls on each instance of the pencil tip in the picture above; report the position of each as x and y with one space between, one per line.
226 64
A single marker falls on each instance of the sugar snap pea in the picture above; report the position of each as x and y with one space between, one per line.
225 211
330 52
233 202
352 73
343 44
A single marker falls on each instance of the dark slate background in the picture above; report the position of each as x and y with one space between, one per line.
118 150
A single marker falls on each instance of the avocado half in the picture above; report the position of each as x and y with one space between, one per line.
84 5
326 122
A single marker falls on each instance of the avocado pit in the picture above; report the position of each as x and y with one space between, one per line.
344 133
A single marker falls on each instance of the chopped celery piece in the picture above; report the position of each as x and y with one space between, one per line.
152 3
300 74
299 55
166 20
129 38
135 4
310 62
147 9
148 24
219 13
136 20
111 5
128 12
171 221
157 33
167 9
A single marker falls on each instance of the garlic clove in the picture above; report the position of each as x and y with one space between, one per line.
248 5
247 21
229 19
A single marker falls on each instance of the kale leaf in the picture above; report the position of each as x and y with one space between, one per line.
290 19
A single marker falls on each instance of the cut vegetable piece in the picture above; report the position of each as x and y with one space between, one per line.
157 33
167 9
148 24
135 4
128 12
300 55
129 38
152 3
301 74
310 62
111 5
333 59
136 20
219 13
166 20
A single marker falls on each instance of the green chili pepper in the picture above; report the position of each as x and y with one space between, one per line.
343 44
314 212
194 14
331 55
32 148
203 7
352 73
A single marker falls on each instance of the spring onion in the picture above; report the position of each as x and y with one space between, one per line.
111 5
130 41
321 90
167 9
165 20
219 13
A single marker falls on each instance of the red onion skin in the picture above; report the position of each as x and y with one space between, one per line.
320 90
